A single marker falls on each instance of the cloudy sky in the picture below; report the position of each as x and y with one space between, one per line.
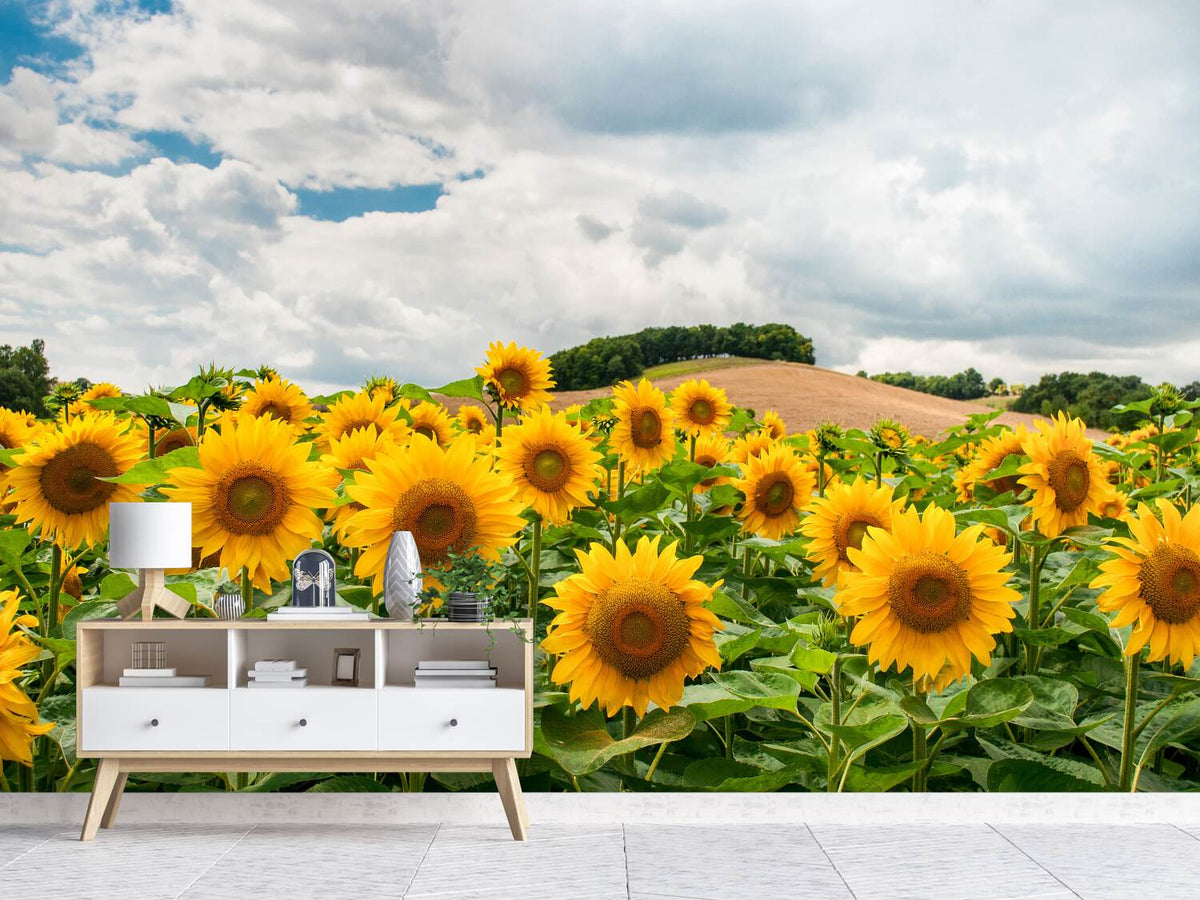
349 188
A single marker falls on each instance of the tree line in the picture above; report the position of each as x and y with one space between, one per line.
966 385
603 361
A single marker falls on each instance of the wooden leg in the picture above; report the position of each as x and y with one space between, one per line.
106 780
114 801
509 786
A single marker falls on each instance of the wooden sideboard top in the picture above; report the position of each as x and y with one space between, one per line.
309 624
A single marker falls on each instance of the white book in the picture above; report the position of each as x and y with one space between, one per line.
277 676
275 665
270 685
456 674
308 610
453 664
167 681
456 684
308 616
150 673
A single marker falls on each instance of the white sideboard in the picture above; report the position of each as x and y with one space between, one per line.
383 724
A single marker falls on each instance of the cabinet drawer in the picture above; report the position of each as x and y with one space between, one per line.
155 719
449 719
308 718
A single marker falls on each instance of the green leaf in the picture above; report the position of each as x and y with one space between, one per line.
115 586
1039 775
154 471
711 701
12 547
581 743
863 736
731 644
1172 726
992 702
467 387
716 774
729 606
712 529
348 784
813 659
414 392
85 612
1045 637
10 457
917 709
766 689
649 498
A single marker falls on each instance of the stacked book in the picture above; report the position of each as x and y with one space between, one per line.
454 673
162 678
276 673
318 614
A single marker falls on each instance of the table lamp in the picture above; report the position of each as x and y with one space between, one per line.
150 537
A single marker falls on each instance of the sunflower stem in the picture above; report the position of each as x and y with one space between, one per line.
835 718
654 763
51 627
150 441
247 590
1129 731
1033 622
879 469
747 570
535 560
820 474
920 755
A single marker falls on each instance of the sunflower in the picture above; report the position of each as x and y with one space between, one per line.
700 408
253 496
56 485
471 418
1153 583
433 421
643 435
382 385
773 425
991 454
351 452
550 462
889 436
95 392
1115 507
358 411
777 486
168 439
448 498
839 522
279 399
519 377
1066 477
632 627
712 450
15 429
928 599
751 445
18 715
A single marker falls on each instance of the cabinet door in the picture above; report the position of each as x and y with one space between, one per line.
308 718
116 718
480 719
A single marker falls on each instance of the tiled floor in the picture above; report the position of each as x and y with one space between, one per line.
640 862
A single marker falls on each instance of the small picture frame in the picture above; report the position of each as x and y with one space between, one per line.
345 666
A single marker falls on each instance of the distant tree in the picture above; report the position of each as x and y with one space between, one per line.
1091 397
1191 390
996 387
604 360
966 385
24 377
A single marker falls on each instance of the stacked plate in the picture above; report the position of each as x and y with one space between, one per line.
462 607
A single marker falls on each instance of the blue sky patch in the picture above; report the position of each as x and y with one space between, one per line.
179 148
346 203
28 42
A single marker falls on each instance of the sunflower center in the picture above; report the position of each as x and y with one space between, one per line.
647 428
354 424
514 381
702 412
1070 479
251 499
70 482
277 410
928 592
775 494
547 469
475 426
638 627
426 430
440 515
173 440
1170 579
851 531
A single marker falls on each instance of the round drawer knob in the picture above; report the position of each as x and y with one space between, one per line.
453 723
303 722
154 723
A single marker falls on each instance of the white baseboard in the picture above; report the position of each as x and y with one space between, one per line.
592 809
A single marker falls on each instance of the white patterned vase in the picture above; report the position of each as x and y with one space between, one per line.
401 576
229 606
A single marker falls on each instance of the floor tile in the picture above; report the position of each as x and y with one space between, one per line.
935 863
16 840
318 861
568 862
743 862
144 861
1114 862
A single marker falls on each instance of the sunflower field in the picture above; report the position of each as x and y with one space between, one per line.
719 603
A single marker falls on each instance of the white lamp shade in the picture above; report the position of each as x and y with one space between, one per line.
150 535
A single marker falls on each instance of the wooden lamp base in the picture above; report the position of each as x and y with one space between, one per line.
151 592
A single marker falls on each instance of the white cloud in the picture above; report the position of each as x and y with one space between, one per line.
1020 198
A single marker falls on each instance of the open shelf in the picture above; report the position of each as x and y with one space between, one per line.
311 648
499 645
198 653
